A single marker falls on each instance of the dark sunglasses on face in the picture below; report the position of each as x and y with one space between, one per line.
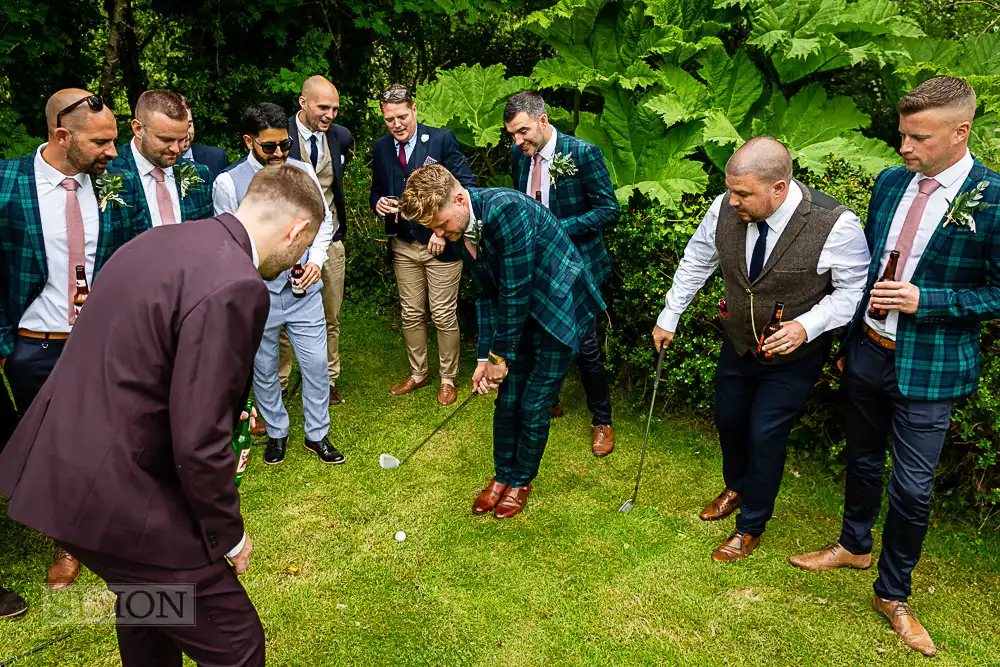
95 102
268 147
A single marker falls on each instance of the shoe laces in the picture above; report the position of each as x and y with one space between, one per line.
903 609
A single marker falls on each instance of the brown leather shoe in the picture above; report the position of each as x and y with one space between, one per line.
408 385
724 505
447 395
335 398
258 430
604 440
830 557
556 412
513 502
489 497
906 625
736 547
64 570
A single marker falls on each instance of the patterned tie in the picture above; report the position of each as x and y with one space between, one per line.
313 150
75 241
402 157
759 248
536 174
163 201
904 244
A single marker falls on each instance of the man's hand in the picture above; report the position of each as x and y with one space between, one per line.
436 245
310 275
891 295
480 385
786 341
387 206
252 416
495 374
662 337
241 561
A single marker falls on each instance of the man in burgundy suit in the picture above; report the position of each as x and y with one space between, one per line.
125 457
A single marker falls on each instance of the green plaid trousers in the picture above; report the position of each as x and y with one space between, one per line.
521 419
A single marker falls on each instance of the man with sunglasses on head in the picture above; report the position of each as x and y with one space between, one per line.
266 137
61 207
173 193
428 267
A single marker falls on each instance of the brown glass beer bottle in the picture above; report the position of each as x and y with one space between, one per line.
773 327
82 291
889 274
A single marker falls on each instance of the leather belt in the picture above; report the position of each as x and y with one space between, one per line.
882 341
42 336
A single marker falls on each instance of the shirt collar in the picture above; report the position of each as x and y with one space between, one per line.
145 166
777 221
409 142
188 154
549 149
471 230
257 166
52 176
253 252
952 174
304 131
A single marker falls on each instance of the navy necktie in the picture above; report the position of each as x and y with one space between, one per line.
313 150
757 259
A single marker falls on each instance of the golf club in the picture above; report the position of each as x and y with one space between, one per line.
627 505
388 461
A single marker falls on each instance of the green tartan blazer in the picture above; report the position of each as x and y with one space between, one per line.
937 349
584 203
527 266
197 205
23 267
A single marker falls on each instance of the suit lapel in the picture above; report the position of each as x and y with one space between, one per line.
390 159
796 223
523 166
419 153
32 216
556 193
941 233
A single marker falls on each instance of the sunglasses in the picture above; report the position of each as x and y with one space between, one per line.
95 102
268 147
396 95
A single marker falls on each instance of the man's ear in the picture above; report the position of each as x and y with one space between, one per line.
962 131
136 127
248 141
302 102
298 226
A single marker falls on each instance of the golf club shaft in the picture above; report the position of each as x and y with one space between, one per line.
652 404
439 427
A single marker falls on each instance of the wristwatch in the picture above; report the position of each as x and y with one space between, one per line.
496 359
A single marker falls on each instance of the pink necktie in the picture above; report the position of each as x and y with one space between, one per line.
904 244
163 201
536 175
75 242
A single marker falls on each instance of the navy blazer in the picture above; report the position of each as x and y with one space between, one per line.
213 157
341 142
388 179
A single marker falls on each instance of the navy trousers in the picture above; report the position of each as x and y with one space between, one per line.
29 366
756 405
594 378
874 407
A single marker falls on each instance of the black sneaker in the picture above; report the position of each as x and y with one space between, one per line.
11 604
275 452
325 451
335 398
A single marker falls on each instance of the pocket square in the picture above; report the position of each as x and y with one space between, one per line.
429 161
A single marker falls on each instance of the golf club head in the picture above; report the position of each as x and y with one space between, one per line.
626 507
388 461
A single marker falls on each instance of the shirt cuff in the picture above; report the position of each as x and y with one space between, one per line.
238 548
814 324
315 256
668 321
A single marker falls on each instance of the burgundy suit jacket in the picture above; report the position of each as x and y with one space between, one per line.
127 449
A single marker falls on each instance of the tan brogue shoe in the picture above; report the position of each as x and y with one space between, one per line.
489 497
724 505
447 395
604 440
831 557
736 547
64 570
513 501
408 385
906 625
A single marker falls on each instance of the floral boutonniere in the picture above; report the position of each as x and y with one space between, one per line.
561 165
966 205
474 232
187 177
424 138
109 189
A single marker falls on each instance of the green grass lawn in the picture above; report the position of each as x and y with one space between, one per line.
569 582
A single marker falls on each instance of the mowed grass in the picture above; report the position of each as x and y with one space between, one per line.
569 582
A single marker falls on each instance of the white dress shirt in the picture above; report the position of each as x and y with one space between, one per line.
845 255
49 312
951 180
306 149
547 152
224 201
145 168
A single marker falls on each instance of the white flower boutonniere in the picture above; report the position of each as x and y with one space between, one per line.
561 165
424 138
187 177
109 189
474 232
966 205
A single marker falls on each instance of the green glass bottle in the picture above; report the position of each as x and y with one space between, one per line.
241 444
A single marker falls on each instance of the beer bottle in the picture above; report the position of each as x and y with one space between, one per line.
241 443
773 327
297 290
538 196
82 291
889 274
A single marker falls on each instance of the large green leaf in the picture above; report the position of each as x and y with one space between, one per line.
734 83
870 155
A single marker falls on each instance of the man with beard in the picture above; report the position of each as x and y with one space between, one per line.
175 189
134 431
584 202
60 208
212 157
266 138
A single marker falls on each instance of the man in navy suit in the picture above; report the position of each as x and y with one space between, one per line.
428 268
212 157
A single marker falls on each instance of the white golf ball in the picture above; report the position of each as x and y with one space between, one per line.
400 536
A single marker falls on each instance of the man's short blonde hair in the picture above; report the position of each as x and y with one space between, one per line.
428 190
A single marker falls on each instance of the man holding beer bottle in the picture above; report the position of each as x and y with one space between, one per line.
793 260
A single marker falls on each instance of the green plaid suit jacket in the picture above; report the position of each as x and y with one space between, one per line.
584 203
23 267
527 266
197 205
937 349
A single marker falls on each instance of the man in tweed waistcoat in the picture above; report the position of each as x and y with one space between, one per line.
905 372
775 240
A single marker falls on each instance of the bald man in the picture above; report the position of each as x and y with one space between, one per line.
327 147
63 208
775 240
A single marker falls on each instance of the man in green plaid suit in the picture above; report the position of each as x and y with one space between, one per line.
569 177
174 189
60 207
903 371
535 303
